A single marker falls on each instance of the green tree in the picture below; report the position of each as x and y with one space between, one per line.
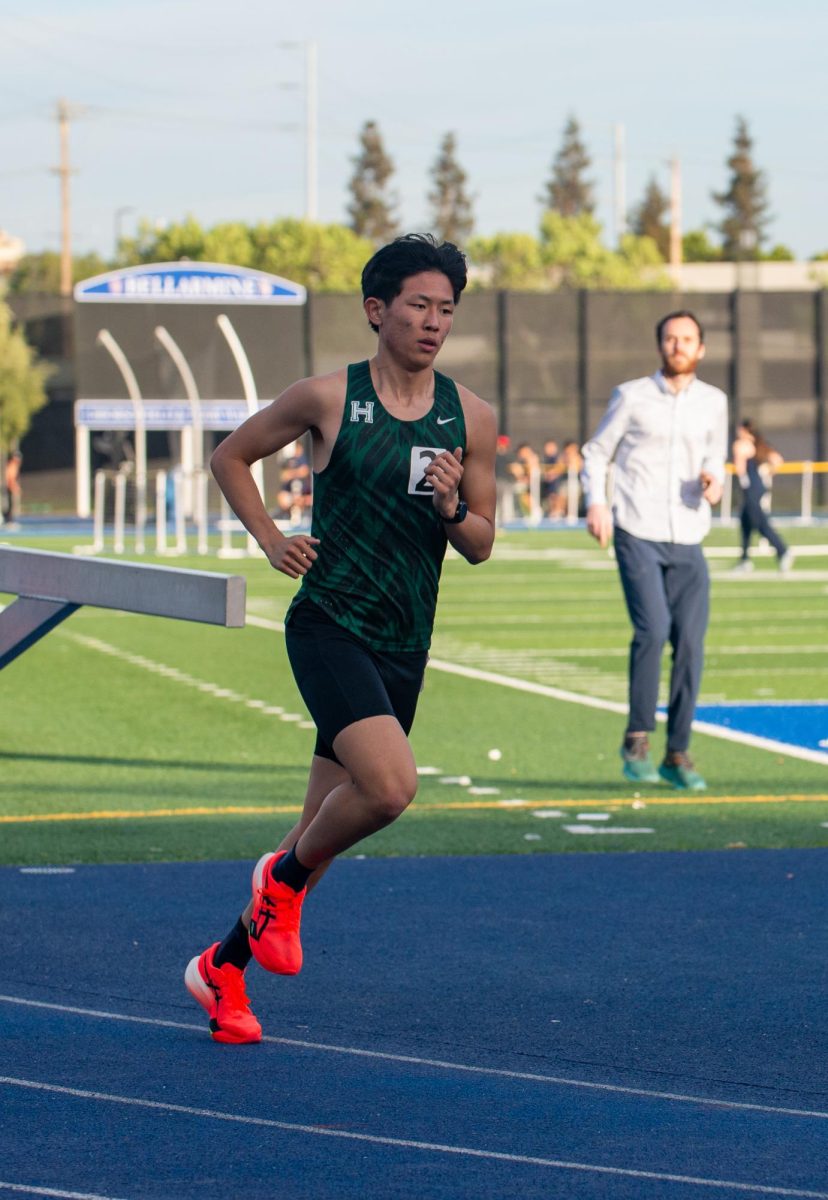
568 192
650 218
171 243
22 382
508 260
324 258
452 217
744 202
372 206
573 250
779 253
696 246
41 272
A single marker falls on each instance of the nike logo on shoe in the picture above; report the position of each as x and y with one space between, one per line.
445 420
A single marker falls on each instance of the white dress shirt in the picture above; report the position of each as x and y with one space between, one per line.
659 443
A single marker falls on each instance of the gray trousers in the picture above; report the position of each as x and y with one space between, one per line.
667 589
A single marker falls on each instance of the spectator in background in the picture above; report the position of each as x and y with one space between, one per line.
507 476
550 475
294 483
13 493
567 468
751 453
528 461
667 437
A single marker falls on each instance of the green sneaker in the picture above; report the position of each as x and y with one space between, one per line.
638 766
677 769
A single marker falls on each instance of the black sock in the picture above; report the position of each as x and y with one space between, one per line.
235 948
289 870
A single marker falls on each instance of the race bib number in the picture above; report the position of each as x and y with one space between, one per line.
421 457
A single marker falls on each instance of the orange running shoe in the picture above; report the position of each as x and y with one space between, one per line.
220 990
274 924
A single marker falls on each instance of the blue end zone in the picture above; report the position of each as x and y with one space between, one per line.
796 723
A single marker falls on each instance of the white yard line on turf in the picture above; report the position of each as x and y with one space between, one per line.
436 664
411 1144
436 1063
553 693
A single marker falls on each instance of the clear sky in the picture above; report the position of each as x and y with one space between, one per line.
198 106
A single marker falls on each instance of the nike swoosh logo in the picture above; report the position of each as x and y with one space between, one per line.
445 420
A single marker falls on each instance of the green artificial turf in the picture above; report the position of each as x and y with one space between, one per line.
129 738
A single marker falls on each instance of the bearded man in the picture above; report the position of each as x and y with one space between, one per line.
666 438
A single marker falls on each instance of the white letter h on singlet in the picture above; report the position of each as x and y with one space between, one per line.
362 410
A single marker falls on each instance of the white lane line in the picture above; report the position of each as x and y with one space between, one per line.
437 1063
29 1189
411 1144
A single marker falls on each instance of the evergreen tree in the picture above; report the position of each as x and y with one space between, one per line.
371 210
451 205
651 217
745 202
568 192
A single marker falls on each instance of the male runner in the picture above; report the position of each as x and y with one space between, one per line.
403 463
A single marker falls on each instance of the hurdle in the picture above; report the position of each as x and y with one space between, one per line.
49 587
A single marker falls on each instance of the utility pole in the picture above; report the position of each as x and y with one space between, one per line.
675 220
619 184
64 171
311 188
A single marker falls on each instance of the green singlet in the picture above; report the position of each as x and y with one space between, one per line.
381 541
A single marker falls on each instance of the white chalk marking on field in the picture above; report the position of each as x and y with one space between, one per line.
542 689
554 693
409 1143
514 802
439 1064
30 1190
547 813
456 780
484 791
593 816
201 685
531 837
613 829
429 770
47 870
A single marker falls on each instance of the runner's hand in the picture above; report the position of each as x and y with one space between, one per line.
294 556
444 474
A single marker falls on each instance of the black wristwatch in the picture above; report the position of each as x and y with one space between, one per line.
460 514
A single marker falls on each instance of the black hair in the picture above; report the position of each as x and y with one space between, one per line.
684 312
385 273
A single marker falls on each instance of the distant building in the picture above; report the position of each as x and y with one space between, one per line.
752 276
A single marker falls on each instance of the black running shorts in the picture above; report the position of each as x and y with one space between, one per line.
342 680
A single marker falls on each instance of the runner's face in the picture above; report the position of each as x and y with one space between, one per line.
414 325
681 347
